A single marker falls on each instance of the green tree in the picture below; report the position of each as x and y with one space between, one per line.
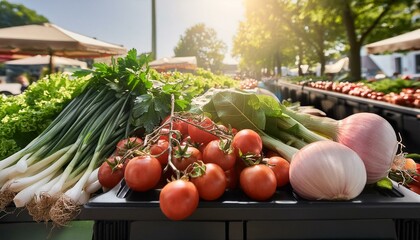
310 29
315 27
17 14
366 21
262 40
202 42
291 30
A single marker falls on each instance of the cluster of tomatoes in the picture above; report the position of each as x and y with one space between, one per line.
408 97
414 184
407 172
248 83
191 158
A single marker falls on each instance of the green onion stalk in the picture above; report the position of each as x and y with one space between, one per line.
57 171
61 159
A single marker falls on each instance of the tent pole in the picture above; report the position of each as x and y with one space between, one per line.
51 64
154 53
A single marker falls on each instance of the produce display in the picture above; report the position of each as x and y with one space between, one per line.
193 137
248 83
400 92
57 171
25 116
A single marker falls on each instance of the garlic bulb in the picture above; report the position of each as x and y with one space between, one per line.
327 170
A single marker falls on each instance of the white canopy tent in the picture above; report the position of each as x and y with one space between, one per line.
404 42
49 39
178 63
337 66
45 59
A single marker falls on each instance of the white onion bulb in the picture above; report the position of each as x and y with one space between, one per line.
327 170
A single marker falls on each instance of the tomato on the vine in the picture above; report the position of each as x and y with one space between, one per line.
160 151
111 172
211 184
258 182
164 134
142 173
247 141
127 144
184 156
219 153
201 136
280 167
414 185
232 178
270 153
178 199
177 124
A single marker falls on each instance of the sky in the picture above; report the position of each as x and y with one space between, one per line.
128 22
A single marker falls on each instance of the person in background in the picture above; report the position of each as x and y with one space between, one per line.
396 75
23 80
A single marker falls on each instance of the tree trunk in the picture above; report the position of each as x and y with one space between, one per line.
354 56
300 72
355 63
322 61
277 62
320 49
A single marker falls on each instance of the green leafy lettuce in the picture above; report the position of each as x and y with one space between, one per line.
25 116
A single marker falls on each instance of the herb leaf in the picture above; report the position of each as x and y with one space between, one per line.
239 109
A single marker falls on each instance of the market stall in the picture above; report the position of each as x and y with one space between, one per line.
143 169
35 65
50 39
180 64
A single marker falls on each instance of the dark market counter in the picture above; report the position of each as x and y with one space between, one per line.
405 120
375 214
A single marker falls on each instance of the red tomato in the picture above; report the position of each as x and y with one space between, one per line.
182 158
178 199
201 136
199 146
126 144
232 178
414 185
177 124
247 141
214 153
234 131
270 153
110 173
212 184
164 134
142 173
414 188
280 167
258 182
160 151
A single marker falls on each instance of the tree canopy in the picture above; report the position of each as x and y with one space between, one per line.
17 14
202 42
296 32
